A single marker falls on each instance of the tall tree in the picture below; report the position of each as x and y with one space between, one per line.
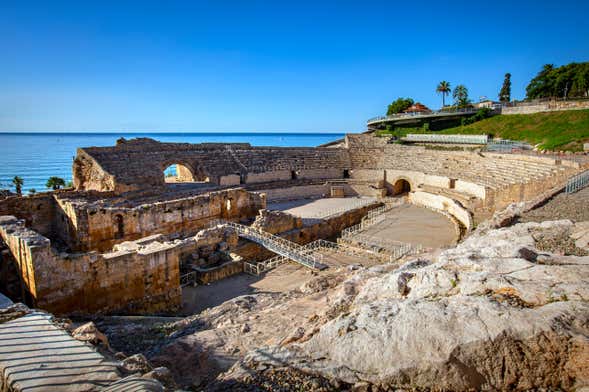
18 183
570 81
55 183
444 89
460 96
399 105
505 93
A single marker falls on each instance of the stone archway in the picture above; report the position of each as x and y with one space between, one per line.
401 186
175 172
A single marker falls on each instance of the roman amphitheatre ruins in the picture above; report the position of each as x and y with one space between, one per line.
355 265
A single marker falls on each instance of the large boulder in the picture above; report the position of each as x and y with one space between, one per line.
277 221
90 333
483 315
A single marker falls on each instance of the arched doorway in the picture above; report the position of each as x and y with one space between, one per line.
401 186
178 172
119 226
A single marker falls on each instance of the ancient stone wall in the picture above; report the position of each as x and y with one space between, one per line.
139 163
37 210
549 106
491 177
138 281
99 227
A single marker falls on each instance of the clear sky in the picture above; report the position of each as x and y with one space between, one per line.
264 65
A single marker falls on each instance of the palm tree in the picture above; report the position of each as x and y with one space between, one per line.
460 95
444 89
55 183
18 183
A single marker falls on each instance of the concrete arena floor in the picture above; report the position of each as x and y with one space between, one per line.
316 208
415 225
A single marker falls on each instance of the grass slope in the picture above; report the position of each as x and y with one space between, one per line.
563 130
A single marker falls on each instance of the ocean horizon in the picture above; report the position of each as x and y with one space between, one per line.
37 155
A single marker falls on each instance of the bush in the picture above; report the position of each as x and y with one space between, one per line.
481 114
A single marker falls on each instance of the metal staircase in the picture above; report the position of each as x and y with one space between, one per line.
285 248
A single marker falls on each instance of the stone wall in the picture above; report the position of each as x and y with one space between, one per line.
99 227
444 204
139 163
549 106
490 177
37 210
141 281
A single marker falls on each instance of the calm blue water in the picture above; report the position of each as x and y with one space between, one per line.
37 156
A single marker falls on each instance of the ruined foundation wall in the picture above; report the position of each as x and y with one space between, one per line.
37 210
99 228
143 281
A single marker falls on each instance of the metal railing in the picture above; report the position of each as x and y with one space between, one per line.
454 139
438 113
577 182
359 203
188 279
276 244
393 250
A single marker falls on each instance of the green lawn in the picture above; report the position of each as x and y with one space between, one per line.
564 130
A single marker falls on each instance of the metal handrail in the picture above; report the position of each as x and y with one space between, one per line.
422 114
578 182
279 245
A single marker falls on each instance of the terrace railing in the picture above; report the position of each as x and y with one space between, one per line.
453 139
439 113
577 182
338 210
278 245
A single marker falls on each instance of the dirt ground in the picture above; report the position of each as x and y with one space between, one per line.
415 225
285 277
562 206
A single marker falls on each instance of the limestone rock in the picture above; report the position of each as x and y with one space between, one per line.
484 315
90 333
164 376
277 221
136 364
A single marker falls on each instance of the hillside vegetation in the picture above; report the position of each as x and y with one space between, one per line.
563 130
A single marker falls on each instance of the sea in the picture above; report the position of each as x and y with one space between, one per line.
36 156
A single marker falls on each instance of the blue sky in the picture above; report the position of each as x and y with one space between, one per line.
264 65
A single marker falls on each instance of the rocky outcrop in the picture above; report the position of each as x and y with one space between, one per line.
495 312
277 221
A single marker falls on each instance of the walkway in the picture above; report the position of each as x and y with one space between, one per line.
408 117
279 245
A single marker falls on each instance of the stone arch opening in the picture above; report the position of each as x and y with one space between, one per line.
401 187
180 172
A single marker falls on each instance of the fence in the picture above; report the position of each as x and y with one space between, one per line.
188 279
281 246
454 139
439 113
359 203
577 182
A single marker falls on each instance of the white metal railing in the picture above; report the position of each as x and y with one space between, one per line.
359 203
372 217
438 113
455 139
393 250
188 279
577 182
276 244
